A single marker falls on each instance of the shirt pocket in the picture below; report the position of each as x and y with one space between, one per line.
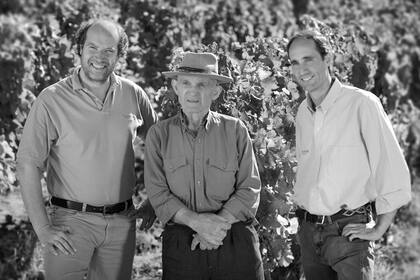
176 174
221 178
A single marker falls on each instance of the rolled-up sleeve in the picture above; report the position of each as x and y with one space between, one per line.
165 203
243 203
390 174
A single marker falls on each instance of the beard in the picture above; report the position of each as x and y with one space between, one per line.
97 72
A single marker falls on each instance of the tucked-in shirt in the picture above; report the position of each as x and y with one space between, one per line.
85 144
348 154
212 170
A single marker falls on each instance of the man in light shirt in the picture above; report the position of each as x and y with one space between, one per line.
80 130
349 161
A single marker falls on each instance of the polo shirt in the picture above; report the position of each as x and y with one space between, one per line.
84 144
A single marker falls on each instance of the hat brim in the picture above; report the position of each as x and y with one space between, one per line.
220 78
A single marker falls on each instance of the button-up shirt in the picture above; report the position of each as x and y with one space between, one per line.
206 171
85 143
348 154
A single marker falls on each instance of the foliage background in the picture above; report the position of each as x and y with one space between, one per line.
376 46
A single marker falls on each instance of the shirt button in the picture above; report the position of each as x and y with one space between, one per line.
198 182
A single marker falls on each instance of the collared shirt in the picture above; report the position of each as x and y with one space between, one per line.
215 169
86 144
348 154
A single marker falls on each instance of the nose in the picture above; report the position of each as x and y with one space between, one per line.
195 90
300 69
193 93
101 54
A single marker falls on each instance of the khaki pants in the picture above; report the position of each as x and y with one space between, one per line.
105 246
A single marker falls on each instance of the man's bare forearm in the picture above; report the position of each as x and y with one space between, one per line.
30 183
185 217
228 216
363 231
56 237
383 221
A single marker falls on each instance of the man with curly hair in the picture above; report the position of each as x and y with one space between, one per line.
81 131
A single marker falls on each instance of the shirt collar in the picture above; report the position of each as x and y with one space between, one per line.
208 119
329 100
77 84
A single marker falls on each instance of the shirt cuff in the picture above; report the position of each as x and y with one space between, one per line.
237 209
166 212
392 201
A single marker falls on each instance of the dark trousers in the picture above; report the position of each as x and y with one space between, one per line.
325 254
238 258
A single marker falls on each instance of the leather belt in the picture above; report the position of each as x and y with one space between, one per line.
79 206
304 215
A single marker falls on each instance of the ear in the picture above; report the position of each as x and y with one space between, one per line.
217 90
174 85
329 60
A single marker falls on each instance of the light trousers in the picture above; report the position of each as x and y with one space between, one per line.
104 246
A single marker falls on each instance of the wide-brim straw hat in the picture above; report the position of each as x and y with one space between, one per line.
199 64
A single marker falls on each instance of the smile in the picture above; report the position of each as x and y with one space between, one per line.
306 78
98 66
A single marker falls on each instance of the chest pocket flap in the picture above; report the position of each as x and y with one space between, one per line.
231 165
172 164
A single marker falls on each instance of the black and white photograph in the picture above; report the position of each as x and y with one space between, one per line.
209 140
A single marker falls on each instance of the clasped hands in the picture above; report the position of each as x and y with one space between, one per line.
210 230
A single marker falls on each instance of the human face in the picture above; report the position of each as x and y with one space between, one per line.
100 53
195 93
308 66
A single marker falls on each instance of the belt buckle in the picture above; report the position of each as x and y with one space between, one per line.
104 210
361 210
348 213
321 222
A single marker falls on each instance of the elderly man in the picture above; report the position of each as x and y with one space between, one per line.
202 179
348 157
81 130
